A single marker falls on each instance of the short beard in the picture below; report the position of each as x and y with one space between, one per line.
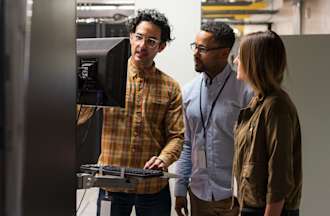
199 70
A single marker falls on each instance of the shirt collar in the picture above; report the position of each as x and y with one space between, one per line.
218 79
248 111
137 72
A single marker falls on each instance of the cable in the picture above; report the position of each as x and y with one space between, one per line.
271 15
80 147
84 87
80 108
80 203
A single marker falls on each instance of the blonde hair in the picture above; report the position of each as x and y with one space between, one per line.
263 58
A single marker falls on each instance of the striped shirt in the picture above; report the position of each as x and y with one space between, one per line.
151 124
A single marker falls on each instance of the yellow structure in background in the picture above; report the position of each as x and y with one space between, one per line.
232 16
253 6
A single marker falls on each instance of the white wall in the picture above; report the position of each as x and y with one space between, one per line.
316 17
287 21
185 18
313 19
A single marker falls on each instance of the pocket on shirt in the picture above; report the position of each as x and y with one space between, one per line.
156 108
227 116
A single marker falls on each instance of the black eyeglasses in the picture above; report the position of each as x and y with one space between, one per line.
202 49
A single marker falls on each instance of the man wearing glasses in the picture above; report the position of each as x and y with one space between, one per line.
149 132
211 103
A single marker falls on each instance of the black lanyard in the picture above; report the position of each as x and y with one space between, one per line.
213 103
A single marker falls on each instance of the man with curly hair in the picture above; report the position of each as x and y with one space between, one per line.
148 133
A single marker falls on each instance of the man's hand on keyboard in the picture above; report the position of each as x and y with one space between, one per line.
155 163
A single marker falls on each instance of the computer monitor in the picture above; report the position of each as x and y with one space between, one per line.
102 71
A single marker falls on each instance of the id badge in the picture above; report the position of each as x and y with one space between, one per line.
105 208
201 158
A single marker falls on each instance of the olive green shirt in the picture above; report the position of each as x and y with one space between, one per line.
267 160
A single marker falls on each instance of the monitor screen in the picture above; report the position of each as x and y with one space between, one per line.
102 71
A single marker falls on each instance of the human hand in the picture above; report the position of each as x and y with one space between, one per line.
155 163
181 204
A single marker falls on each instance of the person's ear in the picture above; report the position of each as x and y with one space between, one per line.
131 37
161 47
225 52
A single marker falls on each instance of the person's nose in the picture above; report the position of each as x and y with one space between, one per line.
143 43
196 52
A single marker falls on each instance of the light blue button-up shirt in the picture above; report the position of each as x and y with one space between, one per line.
212 180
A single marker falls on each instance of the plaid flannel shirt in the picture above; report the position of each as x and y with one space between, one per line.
151 124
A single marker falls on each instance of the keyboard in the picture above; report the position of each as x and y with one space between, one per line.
116 171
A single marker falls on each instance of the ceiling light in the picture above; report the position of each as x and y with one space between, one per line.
97 8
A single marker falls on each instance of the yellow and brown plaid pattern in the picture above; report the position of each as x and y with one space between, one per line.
151 124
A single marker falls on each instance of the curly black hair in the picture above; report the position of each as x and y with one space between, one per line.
222 32
154 16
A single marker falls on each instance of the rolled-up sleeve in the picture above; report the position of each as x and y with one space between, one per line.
184 164
280 132
174 128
